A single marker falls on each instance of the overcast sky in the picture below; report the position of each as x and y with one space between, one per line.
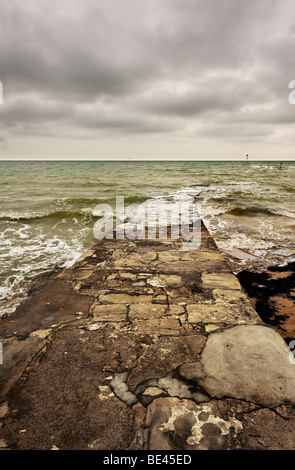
157 79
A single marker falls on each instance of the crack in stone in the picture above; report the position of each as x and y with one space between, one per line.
171 385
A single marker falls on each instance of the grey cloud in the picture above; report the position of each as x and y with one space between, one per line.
219 94
125 124
26 110
233 60
27 115
60 55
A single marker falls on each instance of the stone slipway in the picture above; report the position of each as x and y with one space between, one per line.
142 345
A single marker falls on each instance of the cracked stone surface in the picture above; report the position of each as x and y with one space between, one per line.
144 345
249 362
175 424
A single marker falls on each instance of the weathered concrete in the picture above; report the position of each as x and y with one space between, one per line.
142 345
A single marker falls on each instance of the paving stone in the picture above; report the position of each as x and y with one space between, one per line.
220 281
125 299
168 256
164 280
209 328
114 312
221 313
158 326
202 255
128 275
145 311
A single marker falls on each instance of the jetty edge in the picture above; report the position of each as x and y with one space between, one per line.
141 345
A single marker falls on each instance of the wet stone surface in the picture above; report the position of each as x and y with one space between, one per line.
144 345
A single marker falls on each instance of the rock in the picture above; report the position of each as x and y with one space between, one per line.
168 256
144 345
239 254
264 429
146 311
41 333
220 281
284 253
17 355
121 390
177 388
87 254
128 275
157 326
164 356
114 312
153 391
55 303
221 313
125 298
209 328
165 280
249 362
68 396
183 425
202 255
3 409
231 297
192 371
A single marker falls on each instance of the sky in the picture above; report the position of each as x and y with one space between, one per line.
147 79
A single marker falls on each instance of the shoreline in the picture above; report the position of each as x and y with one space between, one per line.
241 206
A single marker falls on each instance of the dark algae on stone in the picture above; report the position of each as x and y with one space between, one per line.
272 293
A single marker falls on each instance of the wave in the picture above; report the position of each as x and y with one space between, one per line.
94 201
82 200
85 212
291 215
135 199
60 214
288 189
250 211
256 211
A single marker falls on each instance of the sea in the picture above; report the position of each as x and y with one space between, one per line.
47 212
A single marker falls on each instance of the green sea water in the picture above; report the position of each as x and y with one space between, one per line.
47 218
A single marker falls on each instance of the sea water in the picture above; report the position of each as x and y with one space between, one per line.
47 210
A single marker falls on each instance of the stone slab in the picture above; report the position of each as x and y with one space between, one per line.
220 281
250 362
221 313
114 312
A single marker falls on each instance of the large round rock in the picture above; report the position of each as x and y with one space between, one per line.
250 362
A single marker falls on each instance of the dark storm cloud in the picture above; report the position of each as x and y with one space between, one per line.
153 66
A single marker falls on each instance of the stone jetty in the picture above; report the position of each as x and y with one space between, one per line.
142 345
